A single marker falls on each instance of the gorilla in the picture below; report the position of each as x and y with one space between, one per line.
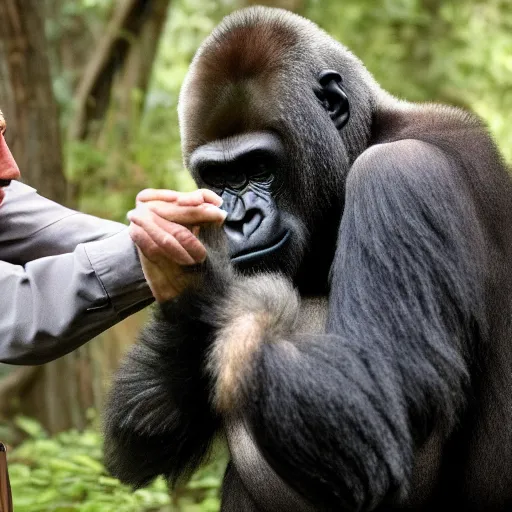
349 334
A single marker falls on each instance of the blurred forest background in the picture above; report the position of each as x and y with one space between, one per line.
89 89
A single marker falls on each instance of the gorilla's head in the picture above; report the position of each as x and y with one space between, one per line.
273 112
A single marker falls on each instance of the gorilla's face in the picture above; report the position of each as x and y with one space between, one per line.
269 185
262 129
246 171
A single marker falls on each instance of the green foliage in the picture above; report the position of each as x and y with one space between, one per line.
457 52
144 152
65 473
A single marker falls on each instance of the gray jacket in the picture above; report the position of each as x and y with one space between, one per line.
64 277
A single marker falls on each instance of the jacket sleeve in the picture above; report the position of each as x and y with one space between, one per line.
64 277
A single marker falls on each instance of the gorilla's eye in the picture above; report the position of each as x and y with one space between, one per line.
235 179
252 165
260 166
261 169
220 177
213 176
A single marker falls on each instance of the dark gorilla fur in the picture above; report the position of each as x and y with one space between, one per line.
397 394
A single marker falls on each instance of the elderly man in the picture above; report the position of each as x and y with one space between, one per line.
66 276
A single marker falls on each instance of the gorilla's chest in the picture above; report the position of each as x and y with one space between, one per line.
312 315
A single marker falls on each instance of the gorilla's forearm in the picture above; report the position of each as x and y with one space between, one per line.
342 419
335 426
158 418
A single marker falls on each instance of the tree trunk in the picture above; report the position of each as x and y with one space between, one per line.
135 27
6 97
35 141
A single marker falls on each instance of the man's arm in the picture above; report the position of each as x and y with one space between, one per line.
33 227
64 277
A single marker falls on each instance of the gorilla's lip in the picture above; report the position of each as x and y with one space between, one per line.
260 253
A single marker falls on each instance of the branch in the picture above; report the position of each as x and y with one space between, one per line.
126 22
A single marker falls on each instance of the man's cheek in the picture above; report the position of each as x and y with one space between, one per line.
8 167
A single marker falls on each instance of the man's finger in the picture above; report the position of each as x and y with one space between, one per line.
153 194
167 246
205 213
200 196
174 240
194 198
210 196
144 242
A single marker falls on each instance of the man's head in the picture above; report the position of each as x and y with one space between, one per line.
8 167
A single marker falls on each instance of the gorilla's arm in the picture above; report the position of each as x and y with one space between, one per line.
158 419
340 416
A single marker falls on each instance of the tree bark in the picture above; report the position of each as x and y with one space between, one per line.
35 139
6 97
136 25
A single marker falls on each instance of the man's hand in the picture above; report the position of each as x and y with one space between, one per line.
164 226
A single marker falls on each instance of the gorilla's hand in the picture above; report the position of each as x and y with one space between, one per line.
164 226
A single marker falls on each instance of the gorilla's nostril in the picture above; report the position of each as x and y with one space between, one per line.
247 225
252 222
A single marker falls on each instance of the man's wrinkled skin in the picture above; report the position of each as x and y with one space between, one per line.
164 226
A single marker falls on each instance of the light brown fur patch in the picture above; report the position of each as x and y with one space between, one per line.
245 50
260 309
236 346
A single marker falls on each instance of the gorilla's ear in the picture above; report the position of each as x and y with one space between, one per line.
333 97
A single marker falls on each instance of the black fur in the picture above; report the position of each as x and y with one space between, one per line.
161 392
404 218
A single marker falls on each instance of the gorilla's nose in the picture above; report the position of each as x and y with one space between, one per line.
242 220
234 205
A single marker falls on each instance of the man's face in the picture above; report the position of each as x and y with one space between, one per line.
8 167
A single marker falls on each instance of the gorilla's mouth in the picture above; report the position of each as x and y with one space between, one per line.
256 254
